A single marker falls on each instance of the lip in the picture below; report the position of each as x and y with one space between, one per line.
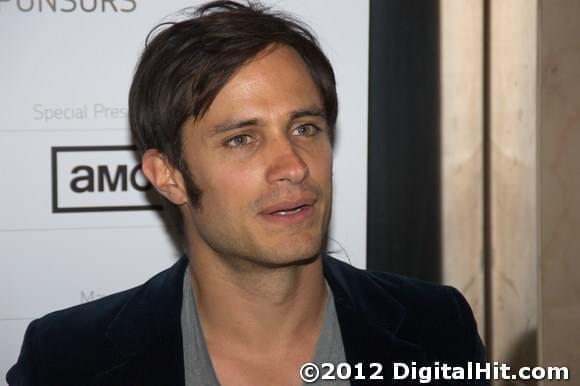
288 205
285 212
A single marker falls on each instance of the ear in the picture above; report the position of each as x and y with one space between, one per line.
163 176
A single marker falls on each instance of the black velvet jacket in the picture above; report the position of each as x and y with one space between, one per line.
133 338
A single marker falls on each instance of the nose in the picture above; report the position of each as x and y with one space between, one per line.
285 163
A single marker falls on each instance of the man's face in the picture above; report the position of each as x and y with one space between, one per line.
262 157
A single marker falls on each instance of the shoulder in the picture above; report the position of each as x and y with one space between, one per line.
415 295
433 316
422 298
72 339
75 340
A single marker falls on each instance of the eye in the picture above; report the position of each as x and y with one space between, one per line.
239 140
306 130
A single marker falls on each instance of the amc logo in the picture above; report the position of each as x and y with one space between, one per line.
99 179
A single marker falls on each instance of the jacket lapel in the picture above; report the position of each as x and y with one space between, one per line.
369 319
147 333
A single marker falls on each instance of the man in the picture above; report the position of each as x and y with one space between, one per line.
234 110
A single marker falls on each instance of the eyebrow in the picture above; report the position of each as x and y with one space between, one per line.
233 125
312 112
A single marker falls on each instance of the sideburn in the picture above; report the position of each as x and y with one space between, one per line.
194 193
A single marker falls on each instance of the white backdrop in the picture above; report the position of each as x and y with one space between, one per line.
65 69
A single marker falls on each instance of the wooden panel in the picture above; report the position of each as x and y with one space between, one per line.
513 180
461 35
560 184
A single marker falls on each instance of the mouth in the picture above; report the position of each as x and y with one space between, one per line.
289 211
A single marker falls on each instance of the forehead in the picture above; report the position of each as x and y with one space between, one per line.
274 82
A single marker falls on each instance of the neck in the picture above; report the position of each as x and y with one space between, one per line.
262 307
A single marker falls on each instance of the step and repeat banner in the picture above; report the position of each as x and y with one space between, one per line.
77 221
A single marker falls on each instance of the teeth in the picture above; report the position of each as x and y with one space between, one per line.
287 212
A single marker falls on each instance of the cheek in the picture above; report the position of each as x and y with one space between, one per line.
232 186
321 166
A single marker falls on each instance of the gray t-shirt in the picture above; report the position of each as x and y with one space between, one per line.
197 363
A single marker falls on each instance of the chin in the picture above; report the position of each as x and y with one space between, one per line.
294 254
281 262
